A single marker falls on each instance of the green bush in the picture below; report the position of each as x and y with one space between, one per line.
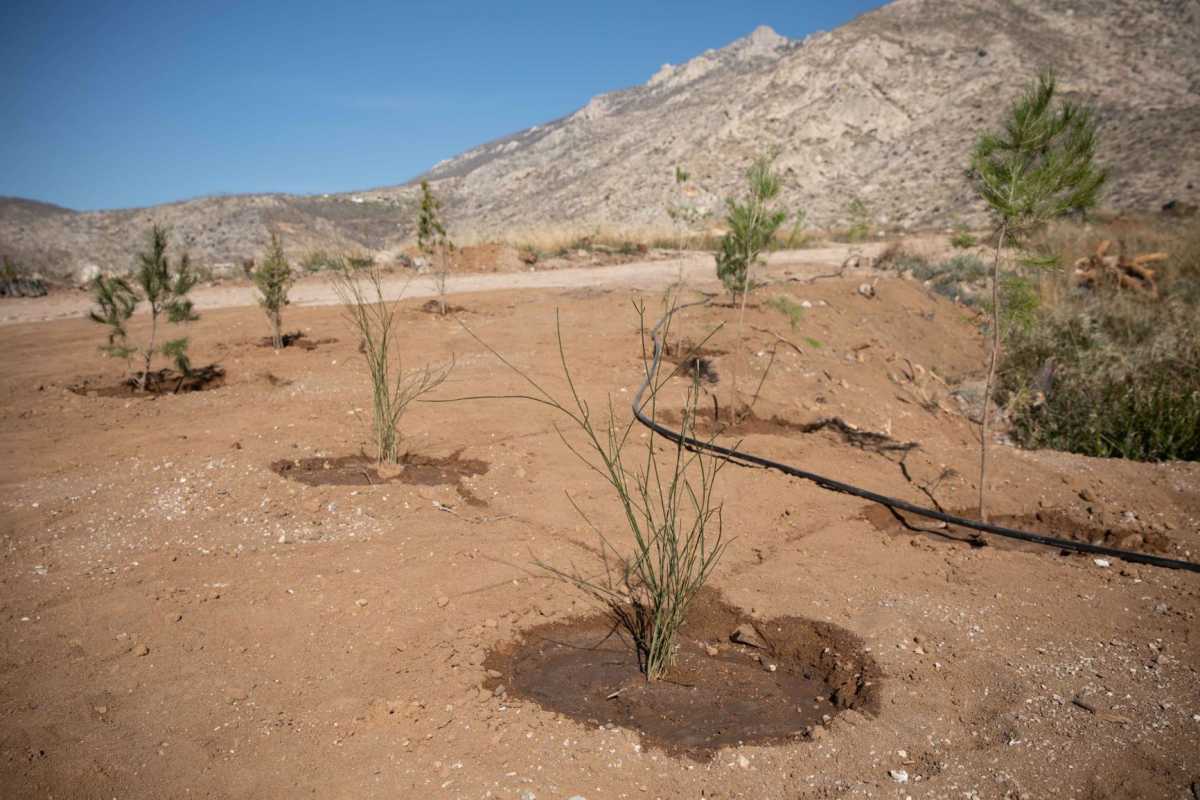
1107 375
320 261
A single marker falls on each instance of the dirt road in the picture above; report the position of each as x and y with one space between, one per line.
696 268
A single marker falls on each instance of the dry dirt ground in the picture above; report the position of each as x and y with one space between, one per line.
182 621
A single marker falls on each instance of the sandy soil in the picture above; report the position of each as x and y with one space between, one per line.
182 621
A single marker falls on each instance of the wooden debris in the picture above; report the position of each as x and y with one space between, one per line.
1119 270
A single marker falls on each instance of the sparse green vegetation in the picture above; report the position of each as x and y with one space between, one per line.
164 289
789 308
319 261
273 279
797 236
16 282
963 239
860 221
1108 375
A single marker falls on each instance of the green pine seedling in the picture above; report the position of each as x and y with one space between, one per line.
752 224
1039 167
273 279
164 288
433 240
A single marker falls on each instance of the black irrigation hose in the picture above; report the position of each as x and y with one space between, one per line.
891 502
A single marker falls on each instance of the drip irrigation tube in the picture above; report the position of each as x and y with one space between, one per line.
893 503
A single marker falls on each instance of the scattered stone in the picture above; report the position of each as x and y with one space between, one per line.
443 601
141 650
1100 562
712 650
747 635
1086 495
494 673
866 290
743 762
898 775
361 603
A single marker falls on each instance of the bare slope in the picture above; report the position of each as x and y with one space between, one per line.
883 109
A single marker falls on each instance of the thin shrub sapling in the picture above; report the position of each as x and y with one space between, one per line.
393 387
667 502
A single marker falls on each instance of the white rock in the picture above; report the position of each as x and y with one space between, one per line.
898 775
86 274
1100 562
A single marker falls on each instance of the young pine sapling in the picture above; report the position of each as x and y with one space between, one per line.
273 279
1039 167
433 241
751 225
164 288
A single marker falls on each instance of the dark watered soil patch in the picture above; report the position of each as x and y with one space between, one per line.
298 340
720 692
159 382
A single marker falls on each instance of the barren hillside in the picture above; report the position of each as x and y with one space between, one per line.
882 110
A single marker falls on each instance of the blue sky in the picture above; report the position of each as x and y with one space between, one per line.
117 104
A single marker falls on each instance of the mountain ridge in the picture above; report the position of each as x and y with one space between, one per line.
882 110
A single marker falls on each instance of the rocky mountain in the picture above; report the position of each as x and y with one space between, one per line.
882 111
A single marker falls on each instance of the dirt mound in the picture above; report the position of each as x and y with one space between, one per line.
413 469
1056 523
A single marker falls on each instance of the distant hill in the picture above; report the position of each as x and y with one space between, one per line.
882 110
